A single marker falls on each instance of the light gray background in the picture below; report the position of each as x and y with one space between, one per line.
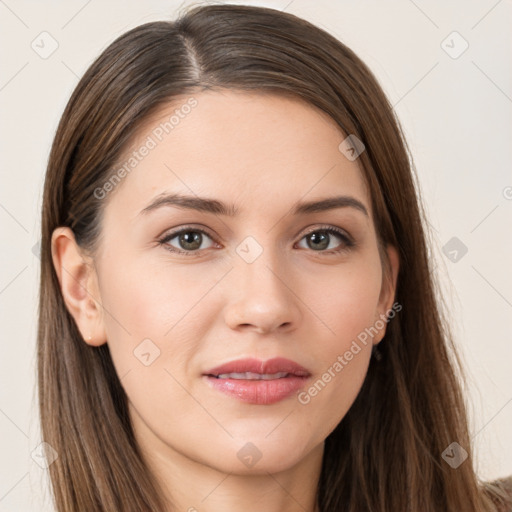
456 113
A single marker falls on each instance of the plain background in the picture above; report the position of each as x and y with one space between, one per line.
456 114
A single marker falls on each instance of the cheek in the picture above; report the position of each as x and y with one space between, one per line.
153 325
348 306
155 318
346 301
153 300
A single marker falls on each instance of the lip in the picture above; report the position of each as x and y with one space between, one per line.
260 392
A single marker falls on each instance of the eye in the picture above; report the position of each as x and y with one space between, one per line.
189 241
320 239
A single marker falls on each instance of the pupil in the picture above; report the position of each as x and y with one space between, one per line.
193 240
319 240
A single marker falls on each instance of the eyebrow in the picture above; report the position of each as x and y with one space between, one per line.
218 208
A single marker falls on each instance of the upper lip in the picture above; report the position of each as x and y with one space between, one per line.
270 366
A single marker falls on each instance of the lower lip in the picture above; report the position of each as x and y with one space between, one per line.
260 392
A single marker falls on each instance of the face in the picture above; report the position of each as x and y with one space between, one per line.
255 277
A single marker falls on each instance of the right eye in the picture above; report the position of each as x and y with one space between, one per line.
189 241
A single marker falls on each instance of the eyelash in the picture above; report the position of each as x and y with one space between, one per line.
347 243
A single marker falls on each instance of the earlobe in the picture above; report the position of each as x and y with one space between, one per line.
79 286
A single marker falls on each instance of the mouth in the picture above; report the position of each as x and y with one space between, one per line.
252 376
258 382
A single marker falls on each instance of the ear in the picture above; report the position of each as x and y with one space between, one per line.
387 293
79 285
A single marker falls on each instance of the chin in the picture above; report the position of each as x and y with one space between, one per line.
255 451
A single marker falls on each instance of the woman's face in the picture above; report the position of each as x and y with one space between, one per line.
259 277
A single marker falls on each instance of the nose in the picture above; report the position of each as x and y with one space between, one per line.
262 297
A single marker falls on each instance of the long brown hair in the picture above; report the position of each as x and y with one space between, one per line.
386 453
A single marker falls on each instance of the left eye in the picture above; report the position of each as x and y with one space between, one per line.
320 240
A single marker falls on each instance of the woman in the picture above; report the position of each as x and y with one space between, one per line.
237 309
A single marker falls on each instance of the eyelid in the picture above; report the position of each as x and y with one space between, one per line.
184 227
327 227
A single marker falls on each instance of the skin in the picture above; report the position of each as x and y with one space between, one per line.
263 153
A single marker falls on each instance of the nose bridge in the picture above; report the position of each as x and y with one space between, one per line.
261 296
261 264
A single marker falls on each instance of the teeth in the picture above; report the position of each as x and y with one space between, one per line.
252 376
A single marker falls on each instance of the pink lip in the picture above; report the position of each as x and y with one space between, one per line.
261 392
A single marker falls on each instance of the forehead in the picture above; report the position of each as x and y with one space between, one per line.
258 149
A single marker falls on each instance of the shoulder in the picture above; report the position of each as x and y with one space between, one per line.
500 492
